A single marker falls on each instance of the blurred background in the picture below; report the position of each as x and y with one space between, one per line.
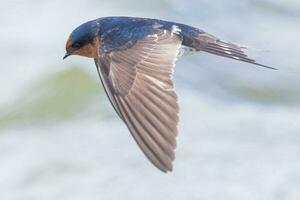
240 124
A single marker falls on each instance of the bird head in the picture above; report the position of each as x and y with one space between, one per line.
83 41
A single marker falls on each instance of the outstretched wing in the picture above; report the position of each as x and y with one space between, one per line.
138 82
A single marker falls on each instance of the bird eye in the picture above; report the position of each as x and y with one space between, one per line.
76 45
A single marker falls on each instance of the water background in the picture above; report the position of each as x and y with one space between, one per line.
240 124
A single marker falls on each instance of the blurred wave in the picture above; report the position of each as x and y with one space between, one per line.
63 95
239 131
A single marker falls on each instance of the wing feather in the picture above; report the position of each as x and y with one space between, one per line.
141 88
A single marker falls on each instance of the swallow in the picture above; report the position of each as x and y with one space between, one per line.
135 59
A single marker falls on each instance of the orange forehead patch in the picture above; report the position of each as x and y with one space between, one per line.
69 43
88 50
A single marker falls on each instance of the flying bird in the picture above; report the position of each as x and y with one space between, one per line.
135 59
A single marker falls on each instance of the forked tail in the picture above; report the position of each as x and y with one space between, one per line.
202 41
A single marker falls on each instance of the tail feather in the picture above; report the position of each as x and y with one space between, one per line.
202 41
232 51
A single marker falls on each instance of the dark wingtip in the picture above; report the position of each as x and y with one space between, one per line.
265 66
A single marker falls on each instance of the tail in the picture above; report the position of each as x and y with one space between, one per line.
201 41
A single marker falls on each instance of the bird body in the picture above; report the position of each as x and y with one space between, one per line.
135 59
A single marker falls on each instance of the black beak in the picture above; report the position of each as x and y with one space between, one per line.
66 55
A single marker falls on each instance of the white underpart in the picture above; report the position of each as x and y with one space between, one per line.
176 30
184 50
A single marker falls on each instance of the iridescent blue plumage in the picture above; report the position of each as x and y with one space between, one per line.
120 33
122 30
84 33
